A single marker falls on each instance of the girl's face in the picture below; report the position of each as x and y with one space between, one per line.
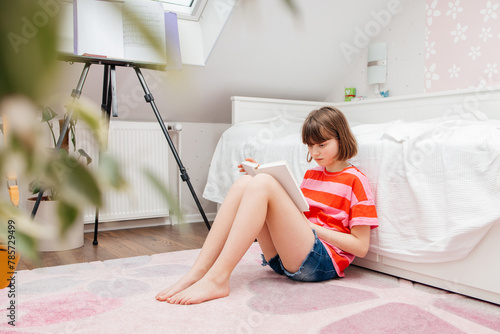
325 154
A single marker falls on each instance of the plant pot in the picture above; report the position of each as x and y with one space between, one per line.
47 216
7 265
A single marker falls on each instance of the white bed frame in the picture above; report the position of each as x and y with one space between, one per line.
477 275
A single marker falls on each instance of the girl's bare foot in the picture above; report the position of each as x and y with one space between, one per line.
186 281
203 290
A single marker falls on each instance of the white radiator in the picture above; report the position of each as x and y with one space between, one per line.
136 146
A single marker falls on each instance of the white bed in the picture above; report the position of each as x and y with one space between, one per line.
433 162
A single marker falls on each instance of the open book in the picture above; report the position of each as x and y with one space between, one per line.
282 173
135 31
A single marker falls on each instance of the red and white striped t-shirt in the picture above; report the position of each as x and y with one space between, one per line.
339 201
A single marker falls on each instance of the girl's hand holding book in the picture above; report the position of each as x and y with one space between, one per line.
240 167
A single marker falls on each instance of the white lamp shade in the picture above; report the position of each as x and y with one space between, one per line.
377 60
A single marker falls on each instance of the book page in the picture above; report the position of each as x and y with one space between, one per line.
98 28
144 31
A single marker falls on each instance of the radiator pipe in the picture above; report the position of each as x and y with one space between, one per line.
174 127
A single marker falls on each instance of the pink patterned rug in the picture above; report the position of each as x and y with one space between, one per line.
117 296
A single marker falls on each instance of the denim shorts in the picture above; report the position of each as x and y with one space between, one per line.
317 266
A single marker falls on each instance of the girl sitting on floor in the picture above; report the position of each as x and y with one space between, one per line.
312 246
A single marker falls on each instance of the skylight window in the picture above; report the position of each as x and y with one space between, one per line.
200 23
185 9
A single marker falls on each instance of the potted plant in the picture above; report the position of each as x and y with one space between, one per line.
46 214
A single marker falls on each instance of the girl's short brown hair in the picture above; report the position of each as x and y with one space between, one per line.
327 123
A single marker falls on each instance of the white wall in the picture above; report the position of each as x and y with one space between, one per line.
404 32
198 142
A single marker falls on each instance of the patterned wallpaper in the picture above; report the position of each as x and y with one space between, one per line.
462 44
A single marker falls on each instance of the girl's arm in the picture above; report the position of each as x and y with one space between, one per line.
356 243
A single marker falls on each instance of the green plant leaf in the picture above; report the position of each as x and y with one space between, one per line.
82 182
109 170
34 187
86 112
67 215
48 114
26 230
27 245
72 181
292 6
28 55
85 155
173 203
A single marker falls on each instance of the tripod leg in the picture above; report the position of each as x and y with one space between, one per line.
184 176
108 86
62 132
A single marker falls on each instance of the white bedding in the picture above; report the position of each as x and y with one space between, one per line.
436 184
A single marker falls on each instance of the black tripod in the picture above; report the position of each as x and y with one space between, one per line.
109 106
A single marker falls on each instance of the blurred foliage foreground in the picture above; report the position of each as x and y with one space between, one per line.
28 58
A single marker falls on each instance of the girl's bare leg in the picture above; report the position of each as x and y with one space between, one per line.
266 211
214 242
